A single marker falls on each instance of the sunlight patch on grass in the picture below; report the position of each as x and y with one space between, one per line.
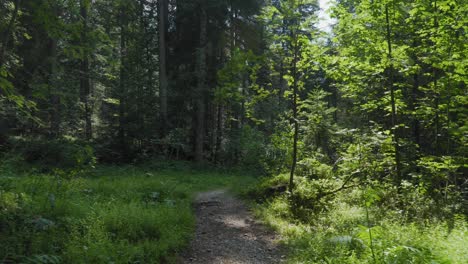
340 235
114 214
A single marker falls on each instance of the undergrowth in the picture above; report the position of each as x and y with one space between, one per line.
111 215
357 226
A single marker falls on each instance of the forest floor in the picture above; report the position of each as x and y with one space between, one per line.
227 233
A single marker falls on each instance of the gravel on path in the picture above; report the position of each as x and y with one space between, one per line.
227 233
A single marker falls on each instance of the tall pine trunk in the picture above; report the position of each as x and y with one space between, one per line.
122 83
294 110
414 94
437 145
54 100
219 121
163 83
85 85
392 99
201 81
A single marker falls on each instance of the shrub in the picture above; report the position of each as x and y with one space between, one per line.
269 187
60 155
245 148
310 197
314 169
252 151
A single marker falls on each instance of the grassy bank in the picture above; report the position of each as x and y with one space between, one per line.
113 215
350 230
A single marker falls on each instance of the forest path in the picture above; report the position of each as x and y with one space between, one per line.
227 233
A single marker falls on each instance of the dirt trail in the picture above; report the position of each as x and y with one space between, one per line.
226 233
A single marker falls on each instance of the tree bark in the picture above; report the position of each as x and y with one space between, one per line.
54 110
122 83
149 59
294 110
414 98
392 99
85 85
434 80
219 121
219 130
55 99
201 74
163 82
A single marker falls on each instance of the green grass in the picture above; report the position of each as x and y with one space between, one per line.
339 234
113 215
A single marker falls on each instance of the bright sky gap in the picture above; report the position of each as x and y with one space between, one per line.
325 22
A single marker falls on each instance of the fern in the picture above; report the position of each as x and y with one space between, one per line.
43 259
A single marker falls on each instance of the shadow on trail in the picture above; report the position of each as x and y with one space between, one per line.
227 233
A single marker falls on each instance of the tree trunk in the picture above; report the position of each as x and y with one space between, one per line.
85 85
54 100
236 109
201 74
122 83
163 83
149 60
414 98
219 130
294 110
437 146
54 110
392 100
219 122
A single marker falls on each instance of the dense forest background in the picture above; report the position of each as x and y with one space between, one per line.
378 100
248 83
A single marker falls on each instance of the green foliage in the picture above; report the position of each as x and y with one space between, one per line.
265 188
349 243
278 150
311 197
232 77
120 215
43 259
132 232
378 106
251 148
313 168
66 156
341 234
317 120
401 254
369 157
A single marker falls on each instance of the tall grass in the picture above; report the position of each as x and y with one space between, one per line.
340 233
113 215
